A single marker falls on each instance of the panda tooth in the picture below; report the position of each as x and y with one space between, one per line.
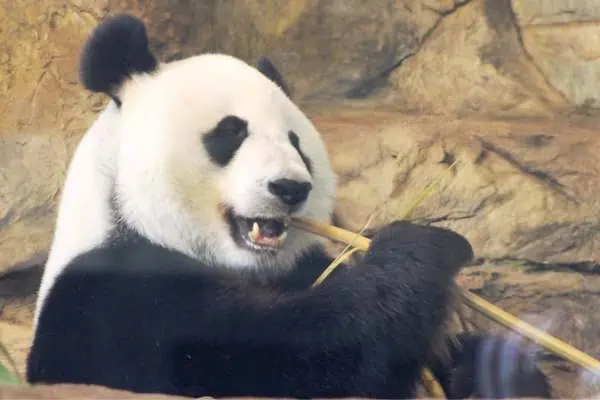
255 233
282 237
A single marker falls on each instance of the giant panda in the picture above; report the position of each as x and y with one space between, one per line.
174 268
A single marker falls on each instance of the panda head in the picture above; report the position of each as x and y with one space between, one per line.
213 158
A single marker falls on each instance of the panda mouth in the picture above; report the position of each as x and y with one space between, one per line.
259 234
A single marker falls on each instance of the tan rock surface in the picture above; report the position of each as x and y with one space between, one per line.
327 49
32 170
16 338
472 63
518 190
442 56
542 12
39 49
561 38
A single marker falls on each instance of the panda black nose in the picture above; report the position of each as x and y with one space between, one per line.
289 191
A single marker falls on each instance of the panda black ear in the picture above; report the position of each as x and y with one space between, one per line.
116 49
268 69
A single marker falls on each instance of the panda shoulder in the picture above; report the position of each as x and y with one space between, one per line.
141 256
100 276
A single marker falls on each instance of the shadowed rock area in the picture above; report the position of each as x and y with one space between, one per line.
494 102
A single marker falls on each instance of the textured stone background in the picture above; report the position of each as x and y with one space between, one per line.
400 89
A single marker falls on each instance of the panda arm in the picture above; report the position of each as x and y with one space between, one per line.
400 289
202 303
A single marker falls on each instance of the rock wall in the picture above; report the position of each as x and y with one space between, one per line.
560 37
473 62
450 57
516 189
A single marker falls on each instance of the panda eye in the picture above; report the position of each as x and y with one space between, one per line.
232 126
225 139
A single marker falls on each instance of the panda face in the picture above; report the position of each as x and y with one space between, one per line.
268 181
215 160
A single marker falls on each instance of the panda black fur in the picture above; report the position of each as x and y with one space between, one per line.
155 282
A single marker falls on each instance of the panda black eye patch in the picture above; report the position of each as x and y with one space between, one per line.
225 139
295 140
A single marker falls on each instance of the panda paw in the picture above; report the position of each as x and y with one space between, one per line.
425 245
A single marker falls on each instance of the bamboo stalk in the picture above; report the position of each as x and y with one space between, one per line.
431 384
489 310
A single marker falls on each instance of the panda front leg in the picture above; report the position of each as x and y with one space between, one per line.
365 331
152 321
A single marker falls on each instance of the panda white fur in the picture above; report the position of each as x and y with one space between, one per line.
174 268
